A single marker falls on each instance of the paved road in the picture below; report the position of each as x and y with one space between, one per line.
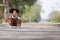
25 33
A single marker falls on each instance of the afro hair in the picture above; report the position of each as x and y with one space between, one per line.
13 9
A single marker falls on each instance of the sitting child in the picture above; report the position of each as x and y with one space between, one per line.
14 20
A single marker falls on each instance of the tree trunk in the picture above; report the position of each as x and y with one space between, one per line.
6 10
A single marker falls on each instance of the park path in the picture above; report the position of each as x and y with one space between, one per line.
30 32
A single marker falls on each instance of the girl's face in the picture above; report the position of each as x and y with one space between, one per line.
14 13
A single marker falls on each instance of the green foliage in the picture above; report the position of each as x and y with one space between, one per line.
1 12
1 7
29 2
29 11
22 5
1 20
16 3
32 14
54 16
1 1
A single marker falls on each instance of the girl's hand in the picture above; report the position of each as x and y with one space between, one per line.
9 21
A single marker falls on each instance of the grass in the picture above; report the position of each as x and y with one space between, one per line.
1 20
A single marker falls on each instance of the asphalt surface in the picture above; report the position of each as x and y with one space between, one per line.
24 33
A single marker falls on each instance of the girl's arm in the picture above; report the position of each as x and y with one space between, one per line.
8 20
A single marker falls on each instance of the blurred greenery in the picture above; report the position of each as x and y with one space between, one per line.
1 12
29 10
54 16
32 15
1 20
16 3
1 1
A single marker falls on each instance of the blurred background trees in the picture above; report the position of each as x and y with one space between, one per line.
32 15
54 16
29 10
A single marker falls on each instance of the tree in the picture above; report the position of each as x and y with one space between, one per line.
16 3
32 14
1 9
1 1
26 8
6 8
54 16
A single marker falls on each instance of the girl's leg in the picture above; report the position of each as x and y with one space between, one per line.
19 23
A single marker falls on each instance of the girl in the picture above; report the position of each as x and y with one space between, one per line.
14 20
